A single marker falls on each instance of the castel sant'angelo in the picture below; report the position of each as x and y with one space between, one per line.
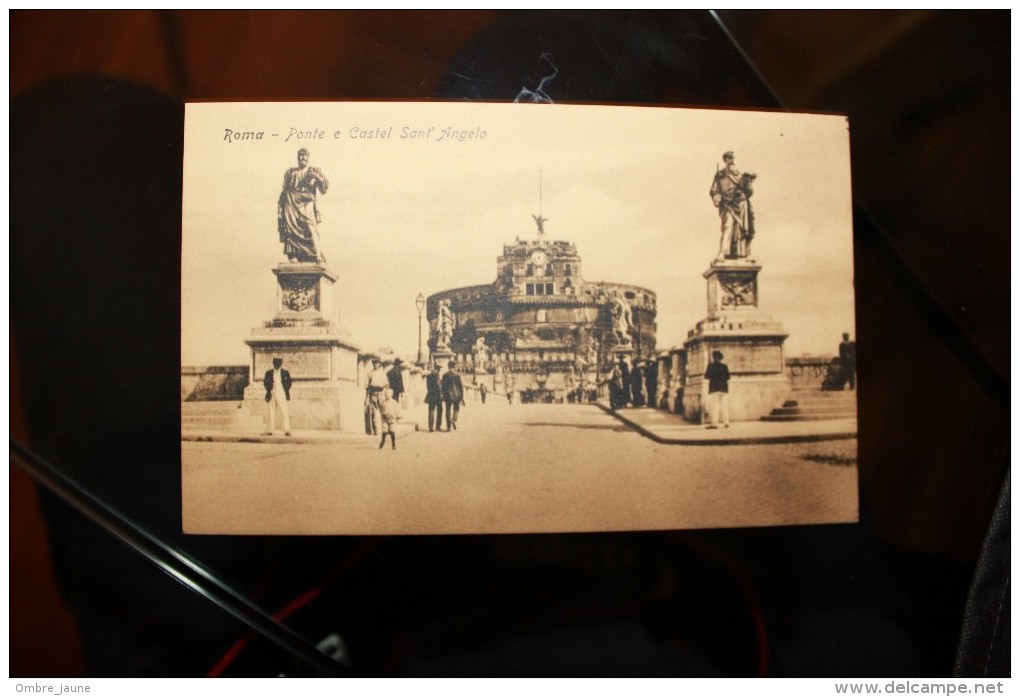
540 330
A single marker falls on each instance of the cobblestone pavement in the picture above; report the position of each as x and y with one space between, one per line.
519 468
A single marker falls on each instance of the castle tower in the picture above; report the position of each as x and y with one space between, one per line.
540 330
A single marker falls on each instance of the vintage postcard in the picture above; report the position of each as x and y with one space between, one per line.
501 318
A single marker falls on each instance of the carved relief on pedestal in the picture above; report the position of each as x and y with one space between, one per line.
732 286
298 295
738 293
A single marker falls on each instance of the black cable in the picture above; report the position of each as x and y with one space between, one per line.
181 568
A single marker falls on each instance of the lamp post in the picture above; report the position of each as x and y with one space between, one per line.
419 303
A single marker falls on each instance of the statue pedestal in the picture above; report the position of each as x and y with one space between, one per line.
732 285
303 292
442 357
322 362
625 351
750 340
481 376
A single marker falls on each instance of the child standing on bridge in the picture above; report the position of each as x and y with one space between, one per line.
389 412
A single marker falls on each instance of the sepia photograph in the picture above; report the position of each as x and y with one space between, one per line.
438 318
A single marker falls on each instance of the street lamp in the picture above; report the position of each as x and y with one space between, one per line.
591 315
419 303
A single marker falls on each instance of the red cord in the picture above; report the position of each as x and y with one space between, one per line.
747 590
294 605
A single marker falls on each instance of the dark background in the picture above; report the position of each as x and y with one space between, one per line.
95 223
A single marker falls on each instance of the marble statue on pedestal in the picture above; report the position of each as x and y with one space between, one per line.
297 213
731 193
481 352
445 322
754 377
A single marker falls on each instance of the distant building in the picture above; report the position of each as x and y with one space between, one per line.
547 331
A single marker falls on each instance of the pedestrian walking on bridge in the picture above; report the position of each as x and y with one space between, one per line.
453 395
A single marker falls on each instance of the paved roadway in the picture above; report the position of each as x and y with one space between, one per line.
519 468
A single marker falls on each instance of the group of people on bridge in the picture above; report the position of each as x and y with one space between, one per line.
444 390
635 386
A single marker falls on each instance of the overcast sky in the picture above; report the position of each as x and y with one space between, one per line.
629 186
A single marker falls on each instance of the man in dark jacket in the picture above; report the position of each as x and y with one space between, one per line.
395 375
718 377
625 382
847 362
617 389
453 395
637 384
652 383
434 398
277 383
